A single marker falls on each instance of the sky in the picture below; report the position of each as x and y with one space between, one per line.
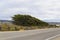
46 10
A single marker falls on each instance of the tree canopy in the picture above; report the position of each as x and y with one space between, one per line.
27 20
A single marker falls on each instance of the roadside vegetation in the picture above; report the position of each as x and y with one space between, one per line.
24 22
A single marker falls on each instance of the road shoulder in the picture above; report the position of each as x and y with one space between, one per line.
57 38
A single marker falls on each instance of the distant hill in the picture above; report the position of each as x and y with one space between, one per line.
5 21
54 23
10 21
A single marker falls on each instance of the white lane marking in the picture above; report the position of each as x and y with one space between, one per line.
53 37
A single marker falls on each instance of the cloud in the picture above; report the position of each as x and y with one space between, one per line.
42 9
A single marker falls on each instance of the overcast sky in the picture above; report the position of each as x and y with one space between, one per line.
47 10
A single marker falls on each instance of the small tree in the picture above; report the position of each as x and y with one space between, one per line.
27 20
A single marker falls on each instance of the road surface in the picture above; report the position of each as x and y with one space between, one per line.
57 38
40 34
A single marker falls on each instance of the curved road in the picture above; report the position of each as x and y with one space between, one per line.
41 34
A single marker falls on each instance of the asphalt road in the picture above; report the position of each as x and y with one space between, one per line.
41 34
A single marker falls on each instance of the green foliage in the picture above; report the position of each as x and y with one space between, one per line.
27 20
